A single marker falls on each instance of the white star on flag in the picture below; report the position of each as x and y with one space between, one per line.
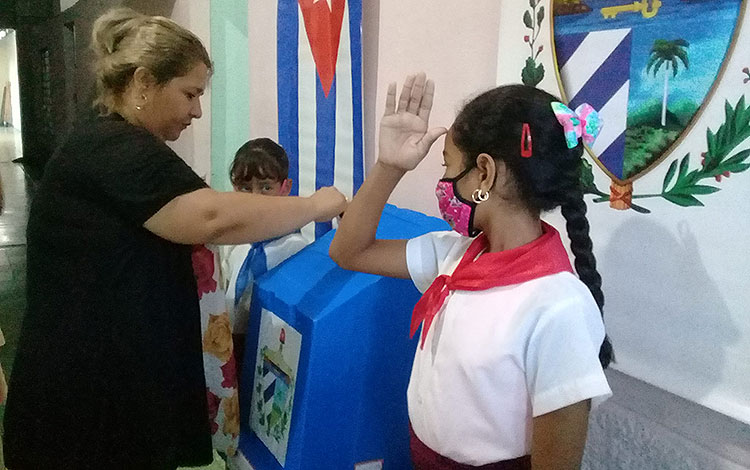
330 8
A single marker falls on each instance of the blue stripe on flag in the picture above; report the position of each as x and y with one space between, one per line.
566 45
287 81
608 78
325 130
325 150
355 31
613 157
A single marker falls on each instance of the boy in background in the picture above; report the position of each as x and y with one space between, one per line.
260 166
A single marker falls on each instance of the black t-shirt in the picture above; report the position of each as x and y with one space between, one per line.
109 371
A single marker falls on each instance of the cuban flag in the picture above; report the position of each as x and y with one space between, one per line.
595 69
306 90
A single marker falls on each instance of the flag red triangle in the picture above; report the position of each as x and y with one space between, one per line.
323 29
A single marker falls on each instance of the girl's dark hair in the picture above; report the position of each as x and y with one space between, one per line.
492 123
259 158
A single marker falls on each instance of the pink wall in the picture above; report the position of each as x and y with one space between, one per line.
456 44
194 145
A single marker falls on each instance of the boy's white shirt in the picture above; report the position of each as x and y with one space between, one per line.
495 359
232 258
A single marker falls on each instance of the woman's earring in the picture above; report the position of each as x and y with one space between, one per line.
478 196
138 106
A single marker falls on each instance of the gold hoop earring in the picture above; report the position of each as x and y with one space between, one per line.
479 197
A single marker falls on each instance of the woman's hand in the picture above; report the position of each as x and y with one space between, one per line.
405 137
328 202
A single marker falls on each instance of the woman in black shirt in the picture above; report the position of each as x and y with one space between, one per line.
109 370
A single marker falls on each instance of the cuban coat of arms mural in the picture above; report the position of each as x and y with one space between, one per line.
648 66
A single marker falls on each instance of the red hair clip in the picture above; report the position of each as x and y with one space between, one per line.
526 149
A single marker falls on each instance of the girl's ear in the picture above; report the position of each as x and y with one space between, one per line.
494 175
488 170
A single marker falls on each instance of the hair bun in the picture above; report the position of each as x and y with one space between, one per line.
111 28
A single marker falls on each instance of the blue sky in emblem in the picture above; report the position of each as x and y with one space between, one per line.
707 25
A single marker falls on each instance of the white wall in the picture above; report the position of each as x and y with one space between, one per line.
15 95
5 52
194 145
9 73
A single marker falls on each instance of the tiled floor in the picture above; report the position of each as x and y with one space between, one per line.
13 217
14 193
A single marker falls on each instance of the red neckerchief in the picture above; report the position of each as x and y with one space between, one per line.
544 256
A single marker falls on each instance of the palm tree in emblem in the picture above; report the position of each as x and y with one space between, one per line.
666 53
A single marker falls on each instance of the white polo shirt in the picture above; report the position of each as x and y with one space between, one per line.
496 358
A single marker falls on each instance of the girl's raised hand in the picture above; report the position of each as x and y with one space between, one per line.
405 137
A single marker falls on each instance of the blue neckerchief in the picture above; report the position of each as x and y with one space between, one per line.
254 265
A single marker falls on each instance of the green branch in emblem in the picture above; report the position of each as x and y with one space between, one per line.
683 186
533 72
720 160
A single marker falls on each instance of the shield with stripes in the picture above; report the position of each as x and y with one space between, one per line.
648 66
306 90
274 383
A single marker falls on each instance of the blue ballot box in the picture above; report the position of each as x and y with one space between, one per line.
327 361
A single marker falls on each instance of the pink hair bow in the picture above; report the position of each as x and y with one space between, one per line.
583 123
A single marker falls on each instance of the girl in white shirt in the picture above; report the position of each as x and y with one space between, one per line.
512 347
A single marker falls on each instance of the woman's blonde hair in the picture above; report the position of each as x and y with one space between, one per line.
124 40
